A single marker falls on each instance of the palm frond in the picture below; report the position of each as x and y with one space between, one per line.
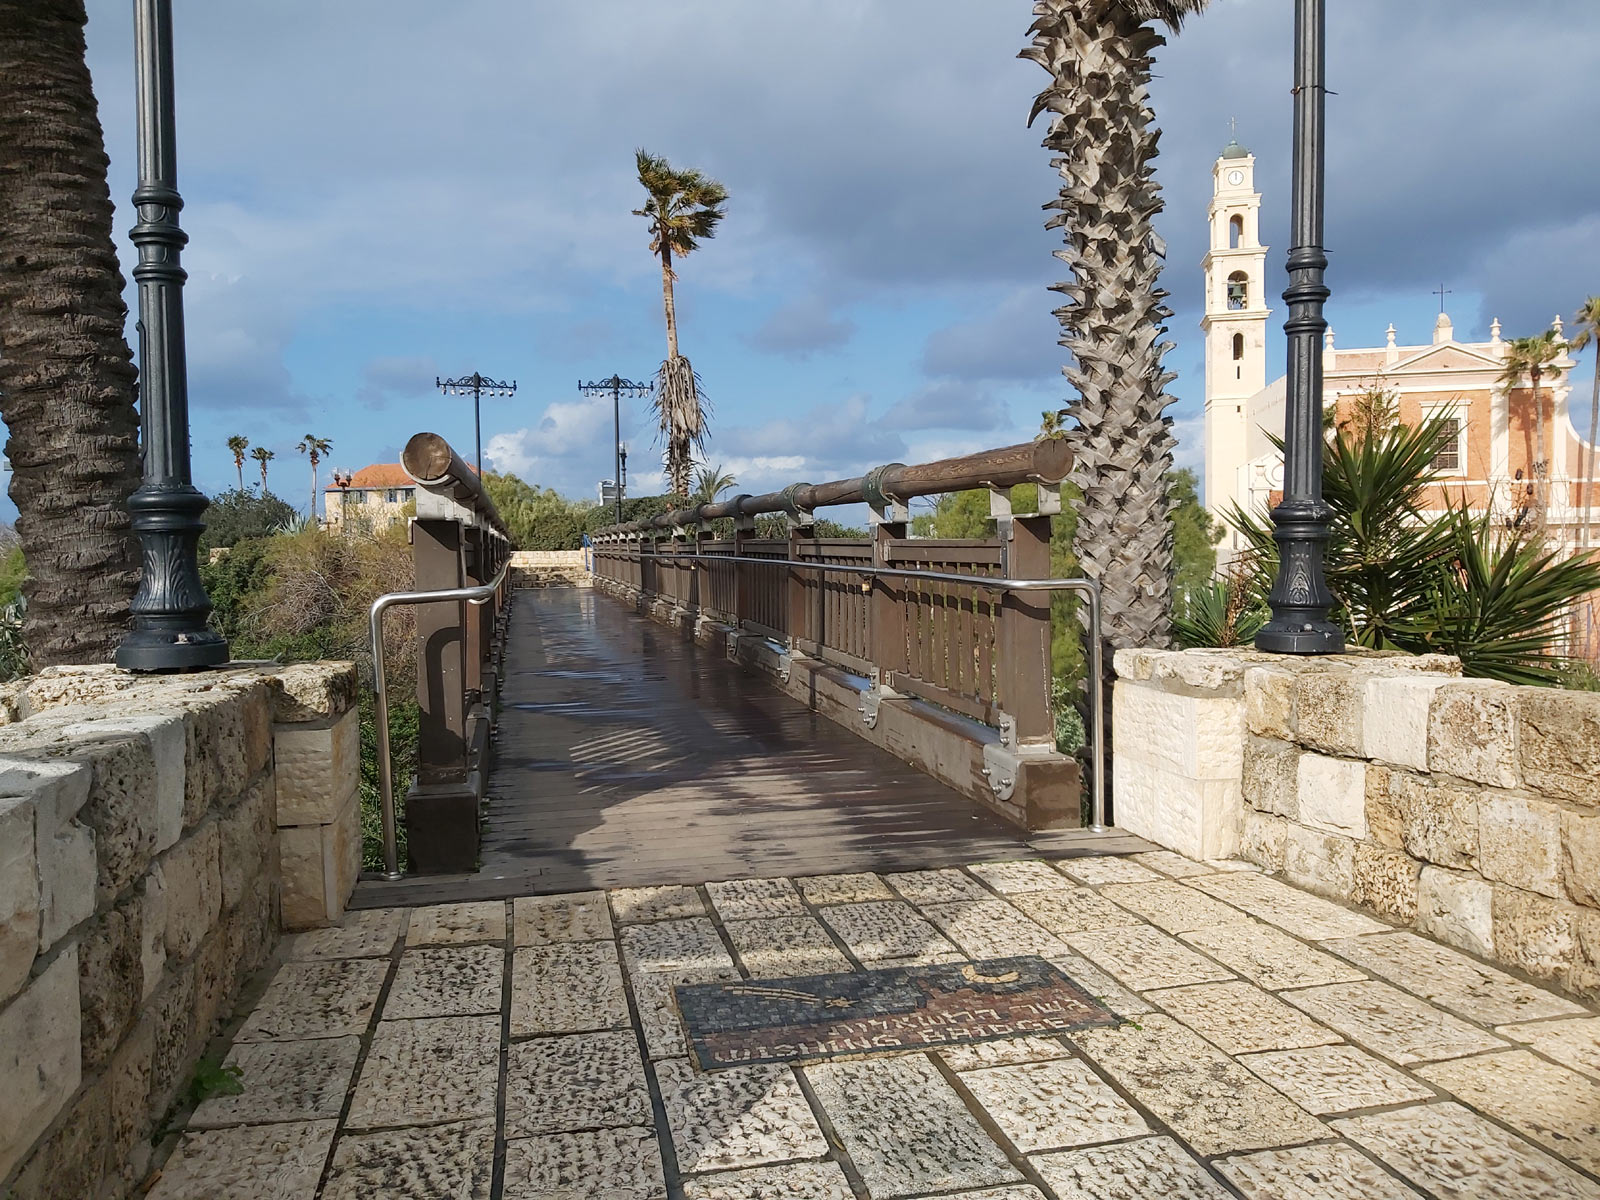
680 412
1171 13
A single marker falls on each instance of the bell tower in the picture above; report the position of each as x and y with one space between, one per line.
1235 325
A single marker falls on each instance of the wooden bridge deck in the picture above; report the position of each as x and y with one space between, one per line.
625 757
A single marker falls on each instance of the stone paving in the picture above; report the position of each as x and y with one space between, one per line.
1273 1045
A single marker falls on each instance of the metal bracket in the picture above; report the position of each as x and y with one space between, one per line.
892 513
868 708
800 520
1002 768
1049 499
1007 724
733 647
785 662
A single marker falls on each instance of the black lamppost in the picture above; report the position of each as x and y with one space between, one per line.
476 385
616 385
1300 598
169 610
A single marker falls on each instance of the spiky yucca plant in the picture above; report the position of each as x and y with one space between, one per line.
1103 139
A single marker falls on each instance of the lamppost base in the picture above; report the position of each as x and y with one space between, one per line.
149 650
1300 637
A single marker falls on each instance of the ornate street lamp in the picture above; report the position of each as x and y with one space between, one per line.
169 610
1300 598
475 385
617 385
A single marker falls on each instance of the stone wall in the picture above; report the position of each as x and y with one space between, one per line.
141 881
550 568
1466 809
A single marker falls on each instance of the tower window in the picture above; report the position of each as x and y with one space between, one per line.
1238 346
1238 290
1235 231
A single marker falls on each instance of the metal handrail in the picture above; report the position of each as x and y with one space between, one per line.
480 594
1088 587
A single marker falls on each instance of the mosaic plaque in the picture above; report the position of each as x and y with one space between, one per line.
848 1014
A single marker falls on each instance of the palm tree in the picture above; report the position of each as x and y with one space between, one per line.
238 444
1098 54
1587 322
710 483
313 448
263 456
66 374
682 208
1535 357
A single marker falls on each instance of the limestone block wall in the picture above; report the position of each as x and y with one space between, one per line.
550 568
1466 809
140 884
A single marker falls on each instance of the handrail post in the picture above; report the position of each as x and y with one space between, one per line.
886 614
797 614
744 532
1024 675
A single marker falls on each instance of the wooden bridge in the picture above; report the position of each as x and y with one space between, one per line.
736 697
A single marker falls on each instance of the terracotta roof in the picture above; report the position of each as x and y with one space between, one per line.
378 475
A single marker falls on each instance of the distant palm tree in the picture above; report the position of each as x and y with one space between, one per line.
683 207
710 483
1588 325
1535 358
263 456
238 444
314 448
1103 140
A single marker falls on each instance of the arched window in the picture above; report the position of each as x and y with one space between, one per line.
1235 231
1238 290
1238 346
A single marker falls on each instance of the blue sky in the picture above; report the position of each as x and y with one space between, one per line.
379 191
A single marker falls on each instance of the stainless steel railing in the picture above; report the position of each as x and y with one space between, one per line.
479 594
1087 587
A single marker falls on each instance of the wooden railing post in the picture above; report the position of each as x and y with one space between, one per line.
1024 641
886 613
744 532
797 613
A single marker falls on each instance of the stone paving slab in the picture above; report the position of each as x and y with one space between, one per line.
1240 1018
446 981
566 987
1172 906
881 932
672 902
742 1117
658 1008
1574 1043
1332 1171
457 924
283 1081
1168 863
844 889
993 929
750 899
263 1162
780 946
578 1081
575 917
943 886
1072 909
1276 903
617 1164
1269 957
1003 1053
680 945
1385 1019
1053 1105
1335 1079
425 1162
421 1072
1010 878
1143 958
792 1181
1557 1108
370 933
1154 1167
316 999
1096 871
1101 986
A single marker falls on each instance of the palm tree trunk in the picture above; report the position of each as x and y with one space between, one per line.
66 376
1587 473
667 302
1541 465
239 464
313 489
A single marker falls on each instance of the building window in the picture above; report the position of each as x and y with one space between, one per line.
407 493
389 497
1235 231
1238 290
1238 346
1450 456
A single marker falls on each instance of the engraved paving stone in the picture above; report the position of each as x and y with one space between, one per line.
426 1071
1101 986
1102 869
1458 1155
1452 980
1072 910
457 924
1168 863
937 887
1144 958
785 946
283 1081
613 1164
420 1163
844 889
1005 1053
885 931
738 1118
749 899
1053 1105
791 1181
636 905
263 1162
905 1129
1333 1171
316 999
446 981
574 917
1269 957
1278 904
658 1007
1575 1044
566 987
1241 1018
1023 876
1335 1079
371 933
1209 1100
580 1081
1398 1026
1557 1108
992 929
684 945
1173 907
1138 1170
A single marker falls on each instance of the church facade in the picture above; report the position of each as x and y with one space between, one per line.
1489 454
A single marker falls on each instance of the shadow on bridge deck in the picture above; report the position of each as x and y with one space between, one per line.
626 757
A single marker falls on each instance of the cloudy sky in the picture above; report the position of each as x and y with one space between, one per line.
379 191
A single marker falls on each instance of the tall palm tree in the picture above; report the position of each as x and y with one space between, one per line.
682 208
238 444
1098 54
1587 323
263 456
66 374
313 448
711 482
1535 358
